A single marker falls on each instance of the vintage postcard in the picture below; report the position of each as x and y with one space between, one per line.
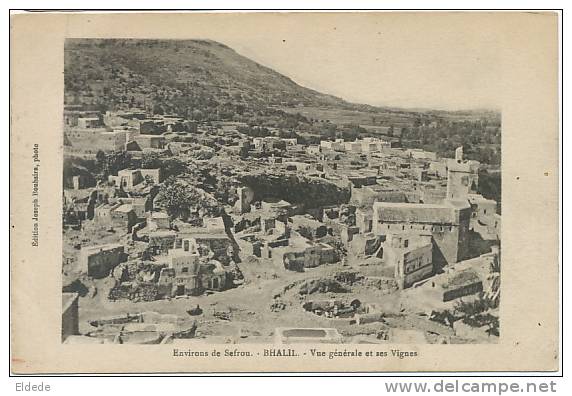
284 192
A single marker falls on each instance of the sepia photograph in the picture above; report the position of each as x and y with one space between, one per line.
210 198
284 192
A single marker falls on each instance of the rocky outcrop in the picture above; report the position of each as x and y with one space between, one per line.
296 189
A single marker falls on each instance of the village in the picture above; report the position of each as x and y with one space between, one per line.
183 232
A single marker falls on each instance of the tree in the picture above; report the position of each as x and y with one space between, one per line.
445 317
151 160
477 313
185 201
149 180
352 132
494 278
176 199
173 167
100 159
224 190
169 166
113 162
287 134
157 109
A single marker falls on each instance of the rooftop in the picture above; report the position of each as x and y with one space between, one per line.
96 248
125 208
462 278
162 233
159 215
180 253
413 212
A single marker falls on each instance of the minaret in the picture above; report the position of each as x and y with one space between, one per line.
458 177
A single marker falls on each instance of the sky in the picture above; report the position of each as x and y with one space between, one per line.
400 60
437 60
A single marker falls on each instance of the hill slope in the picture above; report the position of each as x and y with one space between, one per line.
204 80
178 75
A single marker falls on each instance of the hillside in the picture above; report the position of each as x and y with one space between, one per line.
180 76
206 81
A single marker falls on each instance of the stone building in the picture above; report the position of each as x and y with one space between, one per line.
308 227
93 139
364 219
88 122
297 252
140 205
433 195
118 215
337 145
366 244
421 154
485 220
185 268
217 245
116 139
411 256
128 179
313 255
150 141
367 195
447 223
158 221
190 274
124 217
462 177
98 261
72 114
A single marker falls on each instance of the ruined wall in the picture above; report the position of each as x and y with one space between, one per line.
220 247
328 254
464 290
97 264
294 261
366 244
124 219
154 174
162 241
417 265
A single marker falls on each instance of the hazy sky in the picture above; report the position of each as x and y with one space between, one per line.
399 60
421 59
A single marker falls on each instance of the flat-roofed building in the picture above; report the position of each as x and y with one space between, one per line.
411 256
448 224
98 261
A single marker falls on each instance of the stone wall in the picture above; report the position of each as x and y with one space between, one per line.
98 263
